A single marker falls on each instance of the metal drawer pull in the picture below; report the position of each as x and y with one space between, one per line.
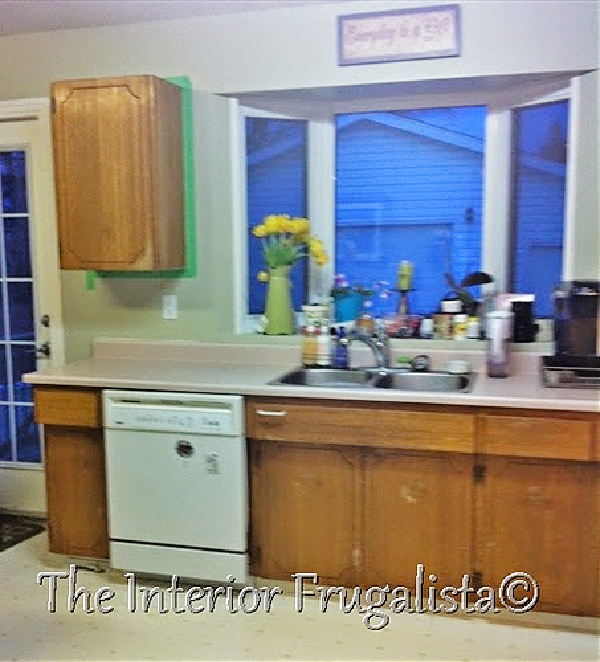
272 414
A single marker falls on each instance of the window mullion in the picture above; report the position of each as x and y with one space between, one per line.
496 218
321 201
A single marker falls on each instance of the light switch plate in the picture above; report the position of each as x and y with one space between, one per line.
169 306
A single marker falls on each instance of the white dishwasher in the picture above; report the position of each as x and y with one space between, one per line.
177 483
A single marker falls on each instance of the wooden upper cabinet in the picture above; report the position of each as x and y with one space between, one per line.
119 173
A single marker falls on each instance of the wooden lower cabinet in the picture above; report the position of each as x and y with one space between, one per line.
75 470
76 492
488 493
304 511
541 517
360 493
417 510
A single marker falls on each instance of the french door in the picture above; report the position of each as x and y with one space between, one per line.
31 333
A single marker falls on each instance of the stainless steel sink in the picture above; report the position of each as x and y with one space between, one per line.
389 378
425 381
327 377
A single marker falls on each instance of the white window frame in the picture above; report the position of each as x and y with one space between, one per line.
495 240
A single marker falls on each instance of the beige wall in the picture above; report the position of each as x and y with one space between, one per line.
296 48
270 50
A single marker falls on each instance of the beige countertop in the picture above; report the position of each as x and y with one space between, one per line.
247 370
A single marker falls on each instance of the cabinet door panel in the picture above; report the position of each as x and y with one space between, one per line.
541 517
102 144
418 509
119 173
76 491
304 511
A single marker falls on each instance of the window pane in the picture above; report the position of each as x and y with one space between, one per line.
2 328
4 394
276 167
409 186
28 438
5 447
16 246
538 200
14 182
23 360
20 304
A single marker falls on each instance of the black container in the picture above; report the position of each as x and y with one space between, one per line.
524 327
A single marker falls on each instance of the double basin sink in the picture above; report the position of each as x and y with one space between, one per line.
386 378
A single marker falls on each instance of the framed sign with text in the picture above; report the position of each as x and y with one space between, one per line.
403 34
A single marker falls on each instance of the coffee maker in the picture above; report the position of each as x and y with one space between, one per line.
576 360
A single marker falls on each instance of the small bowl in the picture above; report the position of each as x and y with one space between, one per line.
457 367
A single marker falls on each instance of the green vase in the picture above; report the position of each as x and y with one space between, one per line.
278 308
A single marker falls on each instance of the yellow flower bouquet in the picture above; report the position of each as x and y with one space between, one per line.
284 241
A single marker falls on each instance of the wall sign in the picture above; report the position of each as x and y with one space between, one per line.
404 34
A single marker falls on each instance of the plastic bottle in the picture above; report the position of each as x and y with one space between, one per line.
460 326
473 330
426 330
341 350
309 354
498 332
304 347
324 347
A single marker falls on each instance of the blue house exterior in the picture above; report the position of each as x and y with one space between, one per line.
407 190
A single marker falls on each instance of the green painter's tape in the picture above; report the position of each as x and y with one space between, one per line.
189 197
90 280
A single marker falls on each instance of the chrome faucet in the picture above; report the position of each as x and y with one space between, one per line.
379 345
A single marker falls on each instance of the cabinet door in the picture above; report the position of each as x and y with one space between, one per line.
76 491
541 517
418 510
304 509
118 168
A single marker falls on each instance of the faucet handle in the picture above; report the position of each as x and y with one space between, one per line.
380 331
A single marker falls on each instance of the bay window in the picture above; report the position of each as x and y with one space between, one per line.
466 183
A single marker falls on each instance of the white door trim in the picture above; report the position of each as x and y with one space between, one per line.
44 237
22 485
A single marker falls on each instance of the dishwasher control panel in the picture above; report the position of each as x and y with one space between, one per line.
174 412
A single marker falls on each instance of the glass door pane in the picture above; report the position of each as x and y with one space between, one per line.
19 434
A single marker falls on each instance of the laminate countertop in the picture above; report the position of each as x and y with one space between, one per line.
248 369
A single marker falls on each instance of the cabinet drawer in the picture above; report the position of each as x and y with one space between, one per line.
281 420
539 437
55 405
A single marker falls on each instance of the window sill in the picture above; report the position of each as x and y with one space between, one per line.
400 344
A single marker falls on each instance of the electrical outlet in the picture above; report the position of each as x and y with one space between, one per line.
169 306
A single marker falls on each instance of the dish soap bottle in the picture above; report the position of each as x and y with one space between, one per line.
340 358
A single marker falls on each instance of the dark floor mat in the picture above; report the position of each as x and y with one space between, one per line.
17 528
